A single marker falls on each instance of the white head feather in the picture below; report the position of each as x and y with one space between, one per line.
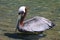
22 8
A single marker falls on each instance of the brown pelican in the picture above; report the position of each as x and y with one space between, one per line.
35 24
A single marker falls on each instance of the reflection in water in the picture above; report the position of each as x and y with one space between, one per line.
23 36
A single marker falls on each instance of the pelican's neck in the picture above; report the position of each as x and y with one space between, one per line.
22 19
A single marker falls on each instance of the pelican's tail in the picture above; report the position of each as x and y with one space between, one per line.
52 25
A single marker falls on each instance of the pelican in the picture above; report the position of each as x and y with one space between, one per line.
34 24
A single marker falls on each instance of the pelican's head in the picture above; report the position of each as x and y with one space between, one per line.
22 10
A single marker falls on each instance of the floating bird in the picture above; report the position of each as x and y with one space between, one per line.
35 24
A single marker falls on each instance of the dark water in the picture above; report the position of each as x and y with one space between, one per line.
24 36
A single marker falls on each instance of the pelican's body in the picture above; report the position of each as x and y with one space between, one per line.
35 24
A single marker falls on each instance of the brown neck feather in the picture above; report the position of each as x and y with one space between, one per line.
22 19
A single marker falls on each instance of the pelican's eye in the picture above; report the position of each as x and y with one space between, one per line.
21 13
